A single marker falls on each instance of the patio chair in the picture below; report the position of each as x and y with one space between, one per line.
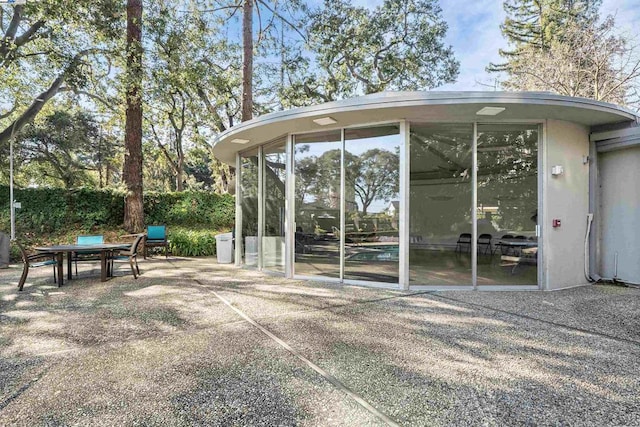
87 255
130 255
463 243
156 238
484 244
41 259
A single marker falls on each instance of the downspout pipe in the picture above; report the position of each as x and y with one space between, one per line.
587 274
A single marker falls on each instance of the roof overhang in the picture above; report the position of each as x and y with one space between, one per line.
419 106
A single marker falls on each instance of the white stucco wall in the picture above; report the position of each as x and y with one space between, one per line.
566 197
620 221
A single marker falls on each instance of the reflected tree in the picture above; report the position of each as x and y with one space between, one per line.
377 178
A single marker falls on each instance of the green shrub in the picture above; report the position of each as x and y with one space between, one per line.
50 210
190 208
190 242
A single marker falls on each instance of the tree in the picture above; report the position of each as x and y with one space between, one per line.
60 49
60 149
397 45
377 178
536 24
590 61
132 170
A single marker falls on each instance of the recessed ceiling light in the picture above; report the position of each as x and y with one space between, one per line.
490 111
239 141
324 121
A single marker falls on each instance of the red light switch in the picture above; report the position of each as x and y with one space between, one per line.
556 223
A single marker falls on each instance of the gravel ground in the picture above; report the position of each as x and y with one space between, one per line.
165 350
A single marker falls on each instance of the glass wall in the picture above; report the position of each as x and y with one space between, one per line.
249 206
347 226
440 202
507 207
317 165
372 207
274 202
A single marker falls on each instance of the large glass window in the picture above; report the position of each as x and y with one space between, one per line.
440 204
507 208
317 164
274 202
372 207
347 204
249 206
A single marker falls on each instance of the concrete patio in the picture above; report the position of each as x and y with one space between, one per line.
192 342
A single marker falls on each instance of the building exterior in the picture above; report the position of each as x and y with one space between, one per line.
439 190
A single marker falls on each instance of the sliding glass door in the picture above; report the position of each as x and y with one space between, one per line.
249 207
274 195
442 241
507 209
440 196
347 204
372 204
317 164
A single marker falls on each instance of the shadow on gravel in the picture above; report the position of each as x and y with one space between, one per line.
237 396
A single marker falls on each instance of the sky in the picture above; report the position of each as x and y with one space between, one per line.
474 33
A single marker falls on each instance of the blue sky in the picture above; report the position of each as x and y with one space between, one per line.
474 33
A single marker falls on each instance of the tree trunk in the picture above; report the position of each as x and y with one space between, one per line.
132 173
247 60
180 174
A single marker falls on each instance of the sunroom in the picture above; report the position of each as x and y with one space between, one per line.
420 190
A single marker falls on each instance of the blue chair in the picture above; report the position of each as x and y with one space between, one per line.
87 255
156 238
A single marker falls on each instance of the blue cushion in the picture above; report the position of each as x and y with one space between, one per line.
156 232
90 240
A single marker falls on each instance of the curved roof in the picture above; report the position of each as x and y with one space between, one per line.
419 106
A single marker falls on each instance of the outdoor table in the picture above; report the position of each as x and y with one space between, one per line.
517 245
59 250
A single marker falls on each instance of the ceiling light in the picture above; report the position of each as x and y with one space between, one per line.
239 141
490 111
324 121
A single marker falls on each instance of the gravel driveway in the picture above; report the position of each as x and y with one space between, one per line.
195 343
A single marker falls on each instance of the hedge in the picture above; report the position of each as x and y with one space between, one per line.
46 210
191 242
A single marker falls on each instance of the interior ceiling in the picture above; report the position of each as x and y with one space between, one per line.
275 125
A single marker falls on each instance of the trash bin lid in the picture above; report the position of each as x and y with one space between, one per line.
224 236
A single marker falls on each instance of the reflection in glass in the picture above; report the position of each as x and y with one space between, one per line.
372 203
441 203
274 200
507 204
317 204
249 206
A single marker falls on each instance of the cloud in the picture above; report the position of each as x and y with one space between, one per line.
627 14
474 33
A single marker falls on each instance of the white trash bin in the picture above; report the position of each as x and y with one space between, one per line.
224 248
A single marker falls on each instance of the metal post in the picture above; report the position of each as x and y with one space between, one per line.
12 202
404 217
239 241
261 205
474 209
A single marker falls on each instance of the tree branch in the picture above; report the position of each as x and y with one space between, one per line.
37 104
